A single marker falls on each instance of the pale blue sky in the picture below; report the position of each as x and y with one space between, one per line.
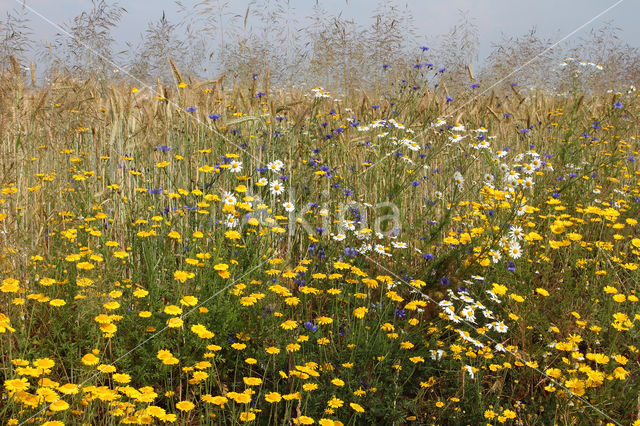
552 18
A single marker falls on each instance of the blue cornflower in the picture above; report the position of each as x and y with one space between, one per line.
618 105
310 326
190 109
350 251
214 116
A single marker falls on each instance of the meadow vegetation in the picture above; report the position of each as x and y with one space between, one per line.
418 242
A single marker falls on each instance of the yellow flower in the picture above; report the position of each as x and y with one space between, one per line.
172 310
576 386
85 266
303 420
69 389
44 363
273 397
121 378
516 297
247 416
105 368
335 402
407 345
174 322
59 405
292 347
356 407
240 398
337 382
324 320
271 350
289 325
542 292
185 406
554 372
360 312
219 400
183 276
509 414
202 331
155 411
233 235
189 301
499 289
620 373
15 385
309 387
252 381
110 306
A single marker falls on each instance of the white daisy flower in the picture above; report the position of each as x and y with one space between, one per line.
288 206
500 327
235 166
512 176
231 221
229 198
458 178
277 188
380 249
516 233
514 250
